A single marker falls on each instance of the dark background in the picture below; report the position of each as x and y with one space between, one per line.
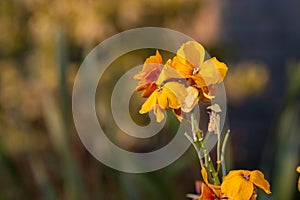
42 44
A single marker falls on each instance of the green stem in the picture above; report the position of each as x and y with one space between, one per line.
223 152
218 144
209 164
196 148
199 144
194 131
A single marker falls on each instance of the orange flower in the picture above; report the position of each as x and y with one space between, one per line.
189 62
206 190
174 86
209 191
149 74
161 99
166 94
241 184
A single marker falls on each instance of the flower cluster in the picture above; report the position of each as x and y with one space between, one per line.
238 184
180 84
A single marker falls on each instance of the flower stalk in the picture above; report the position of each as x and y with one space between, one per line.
223 152
180 84
200 146
196 148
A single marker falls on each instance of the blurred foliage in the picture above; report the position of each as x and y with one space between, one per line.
246 80
283 150
42 44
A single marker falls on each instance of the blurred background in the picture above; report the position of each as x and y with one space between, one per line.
42 44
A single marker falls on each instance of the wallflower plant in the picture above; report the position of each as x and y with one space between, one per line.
180 84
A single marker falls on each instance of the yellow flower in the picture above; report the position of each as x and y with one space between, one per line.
161 99
241 184
190 63
298 170
181 82
149 74
166 94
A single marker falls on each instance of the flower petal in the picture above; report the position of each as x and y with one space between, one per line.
159 113
204 175
222 67
299 184
178 89
191 52
172 99
162 98
206 193
190 100
149 90
168 73
188 97
215 188
235 186
207 93
212 72
149 103
257 178
151 70
181 66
